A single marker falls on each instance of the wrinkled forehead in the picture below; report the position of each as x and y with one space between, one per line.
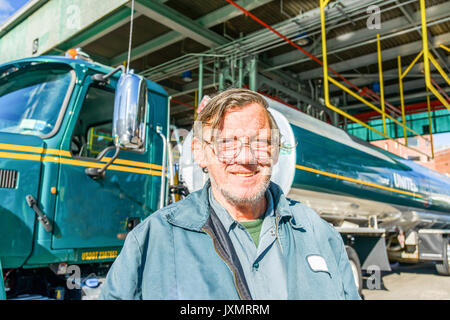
241 132
250 120
237 130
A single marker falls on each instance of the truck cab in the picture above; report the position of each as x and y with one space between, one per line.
56 128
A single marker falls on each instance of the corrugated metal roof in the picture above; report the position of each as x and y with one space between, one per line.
116 42
195 9
274 12
173 51
440 29
271 13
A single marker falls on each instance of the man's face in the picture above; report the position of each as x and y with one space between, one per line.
242 176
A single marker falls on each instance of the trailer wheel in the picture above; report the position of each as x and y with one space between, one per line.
356 268
443 268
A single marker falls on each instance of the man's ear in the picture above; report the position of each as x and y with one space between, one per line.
199 152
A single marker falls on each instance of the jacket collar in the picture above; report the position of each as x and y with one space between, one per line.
193 212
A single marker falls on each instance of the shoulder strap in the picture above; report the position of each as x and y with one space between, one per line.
225 249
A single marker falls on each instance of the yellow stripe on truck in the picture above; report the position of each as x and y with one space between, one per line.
15 147
337 176
48 156
37 157
22 156
82 163
133 163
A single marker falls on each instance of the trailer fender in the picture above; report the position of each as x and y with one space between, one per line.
370 245
431 242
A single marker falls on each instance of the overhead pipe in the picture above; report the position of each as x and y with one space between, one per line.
247 45
251 42
311 56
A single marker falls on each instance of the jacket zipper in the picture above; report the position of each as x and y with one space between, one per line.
226 262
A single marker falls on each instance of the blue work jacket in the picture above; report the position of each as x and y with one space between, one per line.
181 252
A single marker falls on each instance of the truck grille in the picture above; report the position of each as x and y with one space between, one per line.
8 179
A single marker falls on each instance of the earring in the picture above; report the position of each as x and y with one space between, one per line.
205 170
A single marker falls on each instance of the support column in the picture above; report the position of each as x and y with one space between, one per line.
253 74
380 73
241 74
221 81
200 81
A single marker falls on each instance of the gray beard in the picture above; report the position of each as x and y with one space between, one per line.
239 201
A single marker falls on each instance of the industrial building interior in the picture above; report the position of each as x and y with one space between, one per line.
194 48
377 70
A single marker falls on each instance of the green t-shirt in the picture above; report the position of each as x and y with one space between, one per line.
254 228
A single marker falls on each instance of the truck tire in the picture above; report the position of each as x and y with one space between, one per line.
443 268
356 268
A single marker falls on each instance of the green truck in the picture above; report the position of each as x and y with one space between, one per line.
58 206
83 149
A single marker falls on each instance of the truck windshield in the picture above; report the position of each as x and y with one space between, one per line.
31 97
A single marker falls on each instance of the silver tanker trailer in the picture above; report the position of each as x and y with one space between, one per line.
385 207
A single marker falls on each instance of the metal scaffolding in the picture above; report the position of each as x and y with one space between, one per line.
427 57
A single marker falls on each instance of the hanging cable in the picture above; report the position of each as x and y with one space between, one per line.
131 36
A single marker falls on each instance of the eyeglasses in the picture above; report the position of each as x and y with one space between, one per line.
227 149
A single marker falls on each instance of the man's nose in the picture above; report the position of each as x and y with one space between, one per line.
245 155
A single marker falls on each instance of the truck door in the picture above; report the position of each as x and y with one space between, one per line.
20 170
96 213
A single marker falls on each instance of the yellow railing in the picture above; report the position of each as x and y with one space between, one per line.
427 57
92 134
327 79
401 76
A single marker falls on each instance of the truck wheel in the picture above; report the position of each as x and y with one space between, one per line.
443 268
356 268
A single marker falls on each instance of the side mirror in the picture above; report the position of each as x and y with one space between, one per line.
129 112
129 117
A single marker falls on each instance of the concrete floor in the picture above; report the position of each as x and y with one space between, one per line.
411 282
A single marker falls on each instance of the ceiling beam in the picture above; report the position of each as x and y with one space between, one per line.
211 19
179 22
368 59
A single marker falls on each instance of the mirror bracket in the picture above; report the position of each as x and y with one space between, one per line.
96 173
104 78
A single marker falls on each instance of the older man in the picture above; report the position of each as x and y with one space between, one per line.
238 237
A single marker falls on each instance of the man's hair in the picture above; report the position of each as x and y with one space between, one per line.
213 113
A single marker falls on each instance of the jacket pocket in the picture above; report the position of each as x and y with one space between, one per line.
317 264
